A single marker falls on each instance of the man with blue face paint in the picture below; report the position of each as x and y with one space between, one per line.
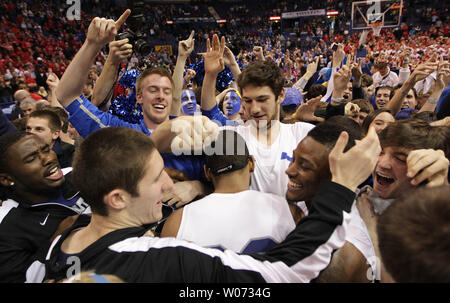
188 102
232 105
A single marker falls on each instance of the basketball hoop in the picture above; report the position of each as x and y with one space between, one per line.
376 27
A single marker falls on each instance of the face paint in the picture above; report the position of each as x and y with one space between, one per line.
231 103
188 102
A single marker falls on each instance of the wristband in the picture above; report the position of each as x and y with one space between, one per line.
433 100
337 100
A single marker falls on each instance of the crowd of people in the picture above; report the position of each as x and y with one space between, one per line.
240 155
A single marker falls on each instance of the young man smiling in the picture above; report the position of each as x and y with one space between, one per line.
154 91
412 155
309 165
269 141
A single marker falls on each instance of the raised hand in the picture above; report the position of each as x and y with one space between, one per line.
186 47
258 51
338 56
443 75
312 67
119 51
341 78
228 57
101 31
213 58
423 71
190 73
305 112
356 69
353 167
52 81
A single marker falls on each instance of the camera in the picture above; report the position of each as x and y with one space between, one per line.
140 46
137 27
334 47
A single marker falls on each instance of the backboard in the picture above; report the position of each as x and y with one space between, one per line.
367 12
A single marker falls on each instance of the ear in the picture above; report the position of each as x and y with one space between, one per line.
208 173
139 98
6 180
56 134
251 164
281 96
117 199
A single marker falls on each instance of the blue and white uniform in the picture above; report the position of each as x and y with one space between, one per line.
245 222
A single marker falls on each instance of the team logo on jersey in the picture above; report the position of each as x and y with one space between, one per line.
285 156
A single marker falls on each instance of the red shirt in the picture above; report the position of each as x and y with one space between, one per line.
35 96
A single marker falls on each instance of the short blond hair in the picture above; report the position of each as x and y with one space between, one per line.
164 72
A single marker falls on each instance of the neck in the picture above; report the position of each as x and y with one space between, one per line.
36 197
267 134
151 124
98 227
234 117
231 183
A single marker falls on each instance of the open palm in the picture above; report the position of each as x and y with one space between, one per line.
213 58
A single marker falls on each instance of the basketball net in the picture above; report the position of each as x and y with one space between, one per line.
376 27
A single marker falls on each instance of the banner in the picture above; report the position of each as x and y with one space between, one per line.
309 13
167 48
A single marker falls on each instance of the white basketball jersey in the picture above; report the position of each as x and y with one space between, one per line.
272 161
245 222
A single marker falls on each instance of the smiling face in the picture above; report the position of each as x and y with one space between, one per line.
389 176
308 167
382 97
146 207
188 102
231 103
34 168
156 98
261 105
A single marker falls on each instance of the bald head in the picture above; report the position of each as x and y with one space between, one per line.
21 94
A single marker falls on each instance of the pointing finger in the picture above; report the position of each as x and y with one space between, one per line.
122 18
